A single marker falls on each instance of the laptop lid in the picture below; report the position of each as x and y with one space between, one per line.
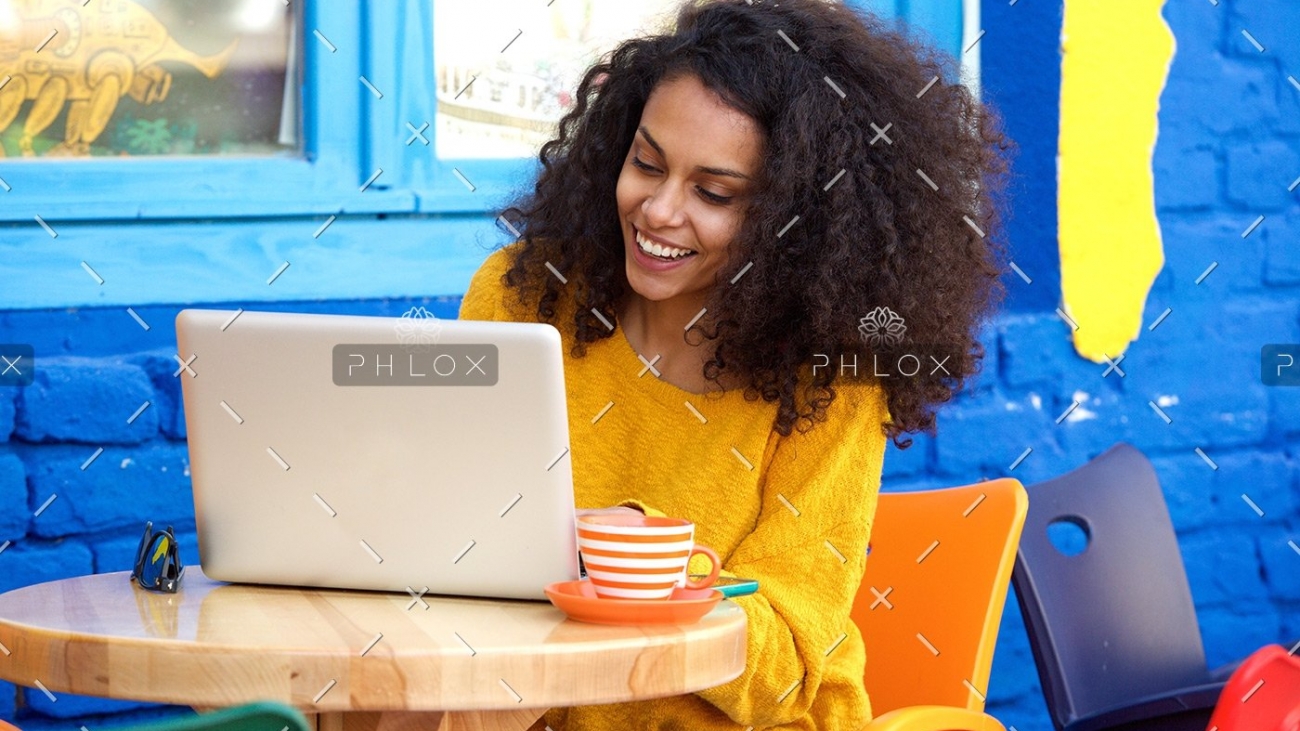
378 453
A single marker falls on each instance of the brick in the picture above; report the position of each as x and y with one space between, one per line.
1281 563
1050 459
110 331
1223 569
1257 174
990 440
69 706
1281 235
1290 626
1198 30
1284 410
1186 177
1247 321
8 698
1201 497
1273 23
991 364
118 554
1193 242
1202 370
916 483
1037 351
1162 284
126 720
1013 682
1244 91
1014 677
910 461
14 515
982 436
1267 37
1032 350
7 410
1103 416
1288 100
160 365
86 331
1028 712
29 562
88 401
1232 633
123 487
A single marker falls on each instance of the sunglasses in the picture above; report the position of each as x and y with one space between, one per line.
158 561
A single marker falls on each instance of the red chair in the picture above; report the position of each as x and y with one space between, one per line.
1263 694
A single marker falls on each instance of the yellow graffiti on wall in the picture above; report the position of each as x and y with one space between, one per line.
85 56
1114 62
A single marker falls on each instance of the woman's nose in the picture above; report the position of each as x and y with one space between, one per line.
664 206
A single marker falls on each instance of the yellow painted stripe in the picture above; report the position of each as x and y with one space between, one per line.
1115 59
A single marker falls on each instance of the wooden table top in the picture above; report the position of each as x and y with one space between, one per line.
215 644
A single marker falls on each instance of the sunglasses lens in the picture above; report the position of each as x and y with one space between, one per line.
158 559
144 546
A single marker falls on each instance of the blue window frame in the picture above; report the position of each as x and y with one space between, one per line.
325 178
404 138
941 22
176 230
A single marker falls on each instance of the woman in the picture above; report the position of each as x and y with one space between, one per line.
715 232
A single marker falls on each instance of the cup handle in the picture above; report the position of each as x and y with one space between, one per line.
707 581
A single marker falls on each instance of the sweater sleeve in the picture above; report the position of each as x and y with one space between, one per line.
483 298
808 553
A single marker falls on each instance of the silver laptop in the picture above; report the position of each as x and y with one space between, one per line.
386 453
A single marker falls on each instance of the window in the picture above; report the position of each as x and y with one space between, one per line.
952 26
501 90
325 156
225 125
152 77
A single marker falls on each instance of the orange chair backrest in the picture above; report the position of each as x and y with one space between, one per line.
931 601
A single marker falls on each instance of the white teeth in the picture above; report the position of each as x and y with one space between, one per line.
659 250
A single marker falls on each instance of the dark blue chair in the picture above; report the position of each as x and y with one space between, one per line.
1113 629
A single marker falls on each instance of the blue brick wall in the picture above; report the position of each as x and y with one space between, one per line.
95 369
1218 166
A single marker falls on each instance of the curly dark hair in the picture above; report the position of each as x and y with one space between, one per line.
895 178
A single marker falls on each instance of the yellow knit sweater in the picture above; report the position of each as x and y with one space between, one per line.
792 512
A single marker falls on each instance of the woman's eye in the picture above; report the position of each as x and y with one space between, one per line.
711 197
714 197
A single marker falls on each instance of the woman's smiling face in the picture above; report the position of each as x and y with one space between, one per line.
683 188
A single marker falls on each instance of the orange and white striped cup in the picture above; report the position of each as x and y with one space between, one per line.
640 557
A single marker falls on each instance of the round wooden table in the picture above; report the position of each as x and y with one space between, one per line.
354 660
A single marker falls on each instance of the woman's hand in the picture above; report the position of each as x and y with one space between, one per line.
619 510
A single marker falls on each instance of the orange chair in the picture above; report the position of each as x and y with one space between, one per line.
931 602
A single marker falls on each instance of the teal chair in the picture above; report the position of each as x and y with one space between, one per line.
261 716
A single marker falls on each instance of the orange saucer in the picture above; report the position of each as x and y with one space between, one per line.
578 600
